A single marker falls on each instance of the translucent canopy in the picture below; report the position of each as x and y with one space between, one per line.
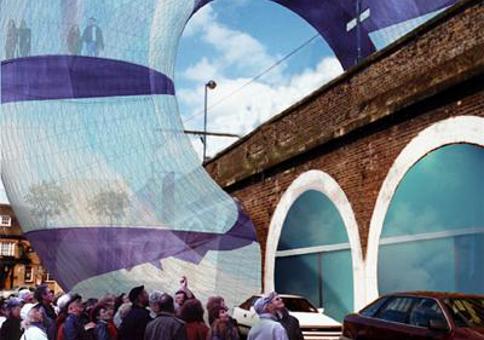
95 163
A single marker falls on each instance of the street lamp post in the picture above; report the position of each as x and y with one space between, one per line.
209 85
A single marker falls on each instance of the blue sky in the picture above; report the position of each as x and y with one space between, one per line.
231 43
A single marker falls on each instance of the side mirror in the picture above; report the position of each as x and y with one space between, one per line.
321 310
438 325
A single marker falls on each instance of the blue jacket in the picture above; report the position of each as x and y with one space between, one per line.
267 329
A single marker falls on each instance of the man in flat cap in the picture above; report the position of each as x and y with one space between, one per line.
134 324
268 328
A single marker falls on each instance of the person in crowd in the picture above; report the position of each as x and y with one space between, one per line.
134 324
93 38
268 327
102 314
74 329
183 294
24 37
120 299
11 329
3 312
74 40
109 300
121 313
62 302
213 305
289 322
34 324
166 326
192 313
11 40
26 296
44 297
89 305
222 328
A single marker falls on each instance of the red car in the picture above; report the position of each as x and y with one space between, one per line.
418 315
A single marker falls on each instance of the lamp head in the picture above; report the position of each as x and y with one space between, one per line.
211 84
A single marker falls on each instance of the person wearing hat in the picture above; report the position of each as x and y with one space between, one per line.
33 323
11 329
26 296
74 329
268 328
134 323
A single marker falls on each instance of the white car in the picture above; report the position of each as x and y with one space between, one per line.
314 324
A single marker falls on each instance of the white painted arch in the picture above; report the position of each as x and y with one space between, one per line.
460 129
319 181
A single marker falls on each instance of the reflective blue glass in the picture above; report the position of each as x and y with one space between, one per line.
433 234
337 283
326 278
313 220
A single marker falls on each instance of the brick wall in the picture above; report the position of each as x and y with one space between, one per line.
354 127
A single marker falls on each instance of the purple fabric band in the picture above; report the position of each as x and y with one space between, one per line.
75 254
66 76
330 17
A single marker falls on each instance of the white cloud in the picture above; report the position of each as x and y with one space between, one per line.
254 104
232 110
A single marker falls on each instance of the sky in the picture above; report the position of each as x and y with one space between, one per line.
231 44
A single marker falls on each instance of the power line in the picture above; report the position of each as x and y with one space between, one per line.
258 76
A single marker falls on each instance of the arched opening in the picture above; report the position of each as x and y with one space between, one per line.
313 246
433 234
428 224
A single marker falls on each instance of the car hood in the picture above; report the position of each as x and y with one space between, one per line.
314 319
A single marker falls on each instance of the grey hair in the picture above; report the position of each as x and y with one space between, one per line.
155 297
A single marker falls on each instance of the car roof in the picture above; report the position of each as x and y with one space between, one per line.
436 295
286 296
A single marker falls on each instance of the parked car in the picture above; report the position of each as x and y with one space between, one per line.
314 324
418 316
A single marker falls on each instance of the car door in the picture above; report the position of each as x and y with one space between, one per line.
423 312
391 320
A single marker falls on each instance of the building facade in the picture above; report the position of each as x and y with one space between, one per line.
329 181
19 264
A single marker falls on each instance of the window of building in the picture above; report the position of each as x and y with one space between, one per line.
433 235
5 221
7 248
29 274
313 257
48 277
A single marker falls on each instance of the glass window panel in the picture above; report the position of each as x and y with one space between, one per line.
442 191
337 283
424 311
441 194
298 275
313 220
396 310
427 265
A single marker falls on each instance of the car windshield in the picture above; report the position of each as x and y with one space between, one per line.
467 312
299 305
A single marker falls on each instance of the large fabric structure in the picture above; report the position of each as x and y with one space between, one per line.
94 159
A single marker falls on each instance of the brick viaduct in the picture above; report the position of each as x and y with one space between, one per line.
422 92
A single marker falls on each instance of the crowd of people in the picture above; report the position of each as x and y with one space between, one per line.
37 315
